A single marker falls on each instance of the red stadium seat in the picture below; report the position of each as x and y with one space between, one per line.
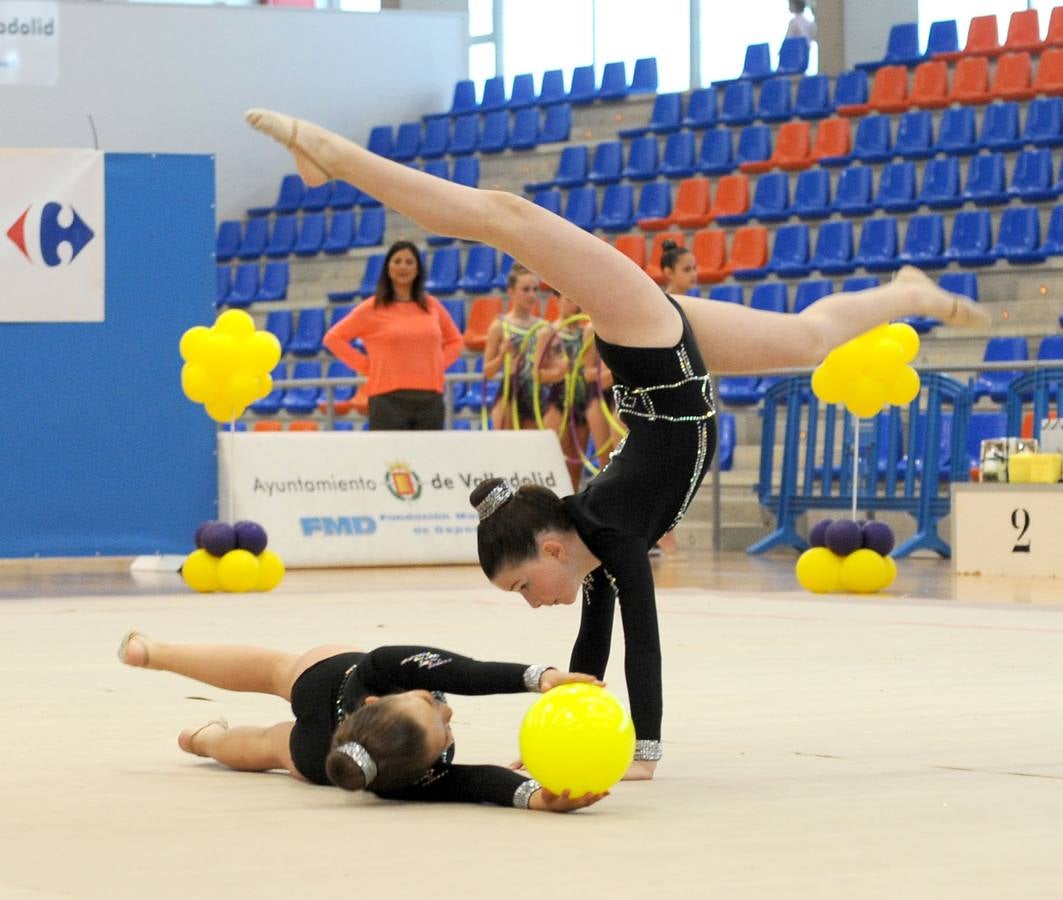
930 85
732 198
1012 78
793 147
710 250
693 201
834 137
982 40
1054 38
482 312
749 249
1024 33
633 246
1050 72
303 425
970 81
268 425
889 93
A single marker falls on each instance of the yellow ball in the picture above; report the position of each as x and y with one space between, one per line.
886 359
863 572
848 361
907 337
827 385
904 387
260 352
200 571
241 388
197 383
577 737
238 571
236 323
222 411
192 343
819 570
891 572
865 397
219 353
270 571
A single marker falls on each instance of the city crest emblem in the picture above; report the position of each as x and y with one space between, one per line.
402 481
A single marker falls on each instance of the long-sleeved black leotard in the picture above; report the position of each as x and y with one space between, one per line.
664 397
334 687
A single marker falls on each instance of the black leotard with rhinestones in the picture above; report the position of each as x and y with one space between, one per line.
336 686
664 397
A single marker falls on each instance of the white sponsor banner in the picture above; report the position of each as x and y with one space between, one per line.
364 499
29 43
51 236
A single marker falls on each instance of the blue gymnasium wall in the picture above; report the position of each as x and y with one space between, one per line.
100 451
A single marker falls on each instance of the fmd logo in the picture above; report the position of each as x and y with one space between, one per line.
336 526
50 234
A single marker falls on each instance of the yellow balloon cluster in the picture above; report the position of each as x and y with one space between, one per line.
822 571
238 571
227 366
870 371
577 737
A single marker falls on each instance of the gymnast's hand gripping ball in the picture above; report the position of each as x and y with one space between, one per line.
577 738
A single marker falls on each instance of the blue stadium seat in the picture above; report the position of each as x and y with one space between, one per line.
342 296
473 398
370 228
467 171
812 195
607 164
902 47
1053 245
407 140
1032 178
965 283
344 195
666 116
852 197
727 293
381 140
985 180
834 248
504 266
943 38
557 124
983 426
971 242
338 314
522 93
813 98
678 160
552 89
726 440
896 188
458 367
701 109
773 105
464 100
1044 122
455 308
282 238
583 88
438 168
878 245
479 275
808 292
1000 127
290 196
642 161
754 145
445 269
271 403
872 142
790 252
618 209
771 296
303 399
525 133
924 242
365 201
274 284
309 331
655 201
466 136
340 233
771 200
860 283
223 278
279 324
1019 237
311 235
956 132
571 167
850 88
941 184
495 135
793 57
581 207
757 65
253 243
341 393
229 240
549 200
435 140
915 135
717 152
737 390
244 285
644 78
1051 350
614 82
494 96
317 199
995 384
373 267
737 105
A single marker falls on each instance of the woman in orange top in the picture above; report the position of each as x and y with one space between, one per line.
410 341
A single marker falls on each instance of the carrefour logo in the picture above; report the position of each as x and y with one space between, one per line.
50 234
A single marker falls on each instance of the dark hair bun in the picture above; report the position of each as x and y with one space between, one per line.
482 490
669 245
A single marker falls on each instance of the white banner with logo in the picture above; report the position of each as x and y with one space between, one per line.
364 499
29 42
51 236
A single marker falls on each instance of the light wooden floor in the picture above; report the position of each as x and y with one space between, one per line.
901 746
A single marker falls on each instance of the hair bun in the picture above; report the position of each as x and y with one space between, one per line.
669 245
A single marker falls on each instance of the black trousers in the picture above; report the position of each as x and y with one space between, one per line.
407 411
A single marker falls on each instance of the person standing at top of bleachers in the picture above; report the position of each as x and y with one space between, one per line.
410 340
800 26
515 342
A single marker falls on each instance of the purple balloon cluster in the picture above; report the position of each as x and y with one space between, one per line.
844 536
218 538
847 556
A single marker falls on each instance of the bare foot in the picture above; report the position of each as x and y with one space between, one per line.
186 739
952 309
135 649
286 130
